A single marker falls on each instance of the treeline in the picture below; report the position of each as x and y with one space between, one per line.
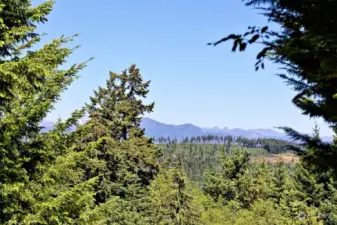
271 145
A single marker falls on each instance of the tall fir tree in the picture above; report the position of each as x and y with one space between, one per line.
100 174
20 148
18 33
171 197
31 83
118 107
222 186
115 115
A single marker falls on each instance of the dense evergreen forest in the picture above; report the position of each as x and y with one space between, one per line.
198 154
268 144
107 172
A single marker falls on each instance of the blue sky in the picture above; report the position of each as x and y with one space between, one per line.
191 82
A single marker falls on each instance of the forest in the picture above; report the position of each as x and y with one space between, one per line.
107 171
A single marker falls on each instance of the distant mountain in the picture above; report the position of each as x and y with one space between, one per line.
251 133
157 129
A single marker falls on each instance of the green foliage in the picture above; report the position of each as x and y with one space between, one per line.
104 167
328 207
118 107
270 145
115 113
82 174
18 20
172 199
63 177
115 211
260 212
236 182
31 83
197 158
255 191
20 140
308 190
280 185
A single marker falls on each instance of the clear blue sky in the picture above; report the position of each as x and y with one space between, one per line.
191 82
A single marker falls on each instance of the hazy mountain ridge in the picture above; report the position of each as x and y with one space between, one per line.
154 128
157 129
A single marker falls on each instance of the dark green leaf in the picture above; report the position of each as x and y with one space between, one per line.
258 62
235 45
254 38
264 29
243 46
262 53
231 36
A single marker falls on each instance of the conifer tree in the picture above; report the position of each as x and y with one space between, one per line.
106 165
301 200
115 115
254 184
171 198
17 34
118 107
328 207
30 84
222 186
20 149
96 174
280 184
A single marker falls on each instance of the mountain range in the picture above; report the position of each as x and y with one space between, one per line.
157 129
154 128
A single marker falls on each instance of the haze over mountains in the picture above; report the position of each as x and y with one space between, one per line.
157 129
